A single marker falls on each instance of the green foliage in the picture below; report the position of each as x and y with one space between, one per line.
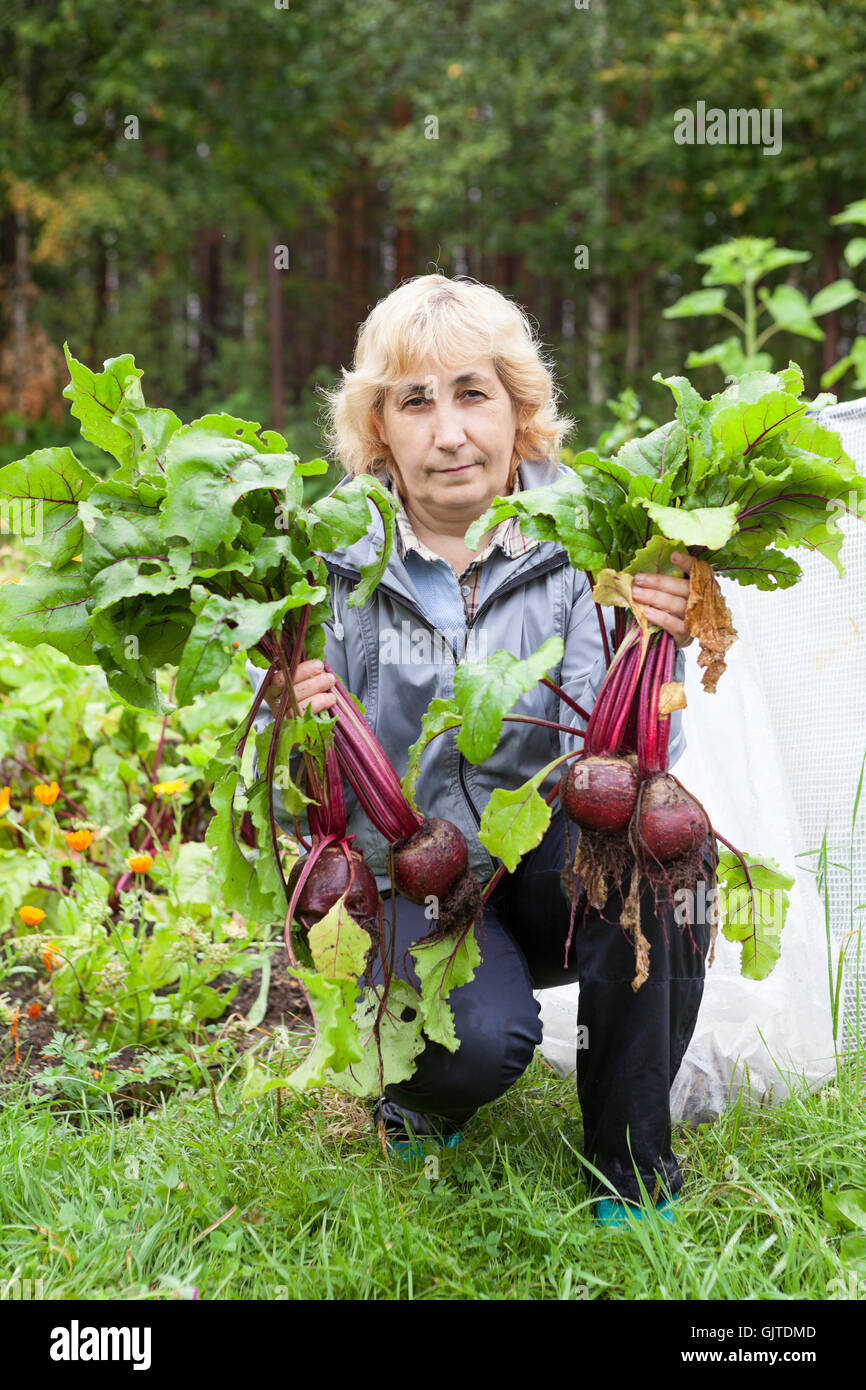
485 690
740 264
740 478
753 914
844 292
442 966
390 1038
513 822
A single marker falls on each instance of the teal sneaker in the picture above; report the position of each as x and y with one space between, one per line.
612 1213
414 1148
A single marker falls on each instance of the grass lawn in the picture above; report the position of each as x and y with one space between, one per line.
298 1202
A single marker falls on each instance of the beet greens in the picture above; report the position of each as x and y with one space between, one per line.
736 481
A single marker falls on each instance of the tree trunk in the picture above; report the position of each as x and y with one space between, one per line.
336 299
599 290
210 276
505 271
405 247
632 345
100 299
275 329
251 293
406 244
21 292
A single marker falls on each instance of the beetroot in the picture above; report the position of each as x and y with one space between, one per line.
431 861
671 824
328 881
600 793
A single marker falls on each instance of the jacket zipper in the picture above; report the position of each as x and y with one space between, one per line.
555 562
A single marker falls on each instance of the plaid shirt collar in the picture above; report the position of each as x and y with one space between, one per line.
506 536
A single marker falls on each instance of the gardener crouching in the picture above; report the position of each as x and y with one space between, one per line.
451 403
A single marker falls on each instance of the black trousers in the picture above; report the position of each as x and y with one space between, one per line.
629 1043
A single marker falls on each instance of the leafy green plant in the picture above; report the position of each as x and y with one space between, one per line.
738 480
199 545
89 1075
855 254
140 976
740 264
630 421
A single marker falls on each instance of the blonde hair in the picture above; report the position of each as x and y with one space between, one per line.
452 322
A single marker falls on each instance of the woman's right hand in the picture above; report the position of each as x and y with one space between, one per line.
313 686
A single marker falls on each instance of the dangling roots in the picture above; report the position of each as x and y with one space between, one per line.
631 921
601 862
459 908
676 878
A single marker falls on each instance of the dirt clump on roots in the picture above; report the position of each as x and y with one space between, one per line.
459 908
669 836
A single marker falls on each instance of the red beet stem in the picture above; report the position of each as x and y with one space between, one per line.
647 705
566 699
366 789
600 616
327 815
665 724
369 771
608 703
621 682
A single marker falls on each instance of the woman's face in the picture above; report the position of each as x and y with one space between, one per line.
451 435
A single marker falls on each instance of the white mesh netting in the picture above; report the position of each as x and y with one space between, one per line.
775 756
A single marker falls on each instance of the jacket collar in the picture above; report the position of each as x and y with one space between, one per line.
533 473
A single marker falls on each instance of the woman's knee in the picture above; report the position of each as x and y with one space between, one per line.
493 1053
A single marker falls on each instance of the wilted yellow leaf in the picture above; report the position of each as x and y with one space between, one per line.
672 695
708 618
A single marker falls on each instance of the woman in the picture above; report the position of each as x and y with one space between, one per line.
451 403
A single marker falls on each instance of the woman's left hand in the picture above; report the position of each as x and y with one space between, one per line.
663 598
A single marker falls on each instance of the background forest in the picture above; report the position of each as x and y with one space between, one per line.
226 189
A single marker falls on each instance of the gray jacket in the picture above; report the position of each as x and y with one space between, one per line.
526 600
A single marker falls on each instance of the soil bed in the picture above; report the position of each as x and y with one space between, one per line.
286 1007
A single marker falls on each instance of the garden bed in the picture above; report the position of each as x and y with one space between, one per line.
37 1031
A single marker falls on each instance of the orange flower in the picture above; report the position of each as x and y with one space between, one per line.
5 793
140 863
31 916
79 839
46 793
50 958
13 1026
35 1009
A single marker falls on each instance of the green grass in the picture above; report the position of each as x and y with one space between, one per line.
101 1208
